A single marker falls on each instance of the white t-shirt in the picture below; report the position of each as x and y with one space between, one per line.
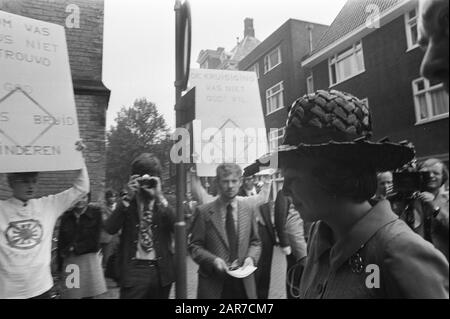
26 238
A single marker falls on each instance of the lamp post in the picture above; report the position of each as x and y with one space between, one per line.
182 64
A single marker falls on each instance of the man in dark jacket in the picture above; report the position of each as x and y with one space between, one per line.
267 234
145 257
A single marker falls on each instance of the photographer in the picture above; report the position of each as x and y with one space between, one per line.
432 205
146 268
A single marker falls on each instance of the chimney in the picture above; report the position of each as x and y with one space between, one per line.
248 27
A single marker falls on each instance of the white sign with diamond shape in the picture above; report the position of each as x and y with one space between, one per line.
38 119
229 125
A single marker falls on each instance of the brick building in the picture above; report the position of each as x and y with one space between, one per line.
380 62
277 63
83 22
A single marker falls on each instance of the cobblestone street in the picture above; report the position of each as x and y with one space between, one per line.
277 282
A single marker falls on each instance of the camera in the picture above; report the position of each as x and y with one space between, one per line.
407 184
148 181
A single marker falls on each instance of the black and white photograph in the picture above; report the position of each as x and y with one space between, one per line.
209 152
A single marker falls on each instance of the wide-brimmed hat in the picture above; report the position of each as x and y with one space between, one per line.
337 126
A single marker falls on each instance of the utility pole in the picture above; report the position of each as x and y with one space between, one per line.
182 65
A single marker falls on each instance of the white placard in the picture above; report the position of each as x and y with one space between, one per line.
38 119
229 125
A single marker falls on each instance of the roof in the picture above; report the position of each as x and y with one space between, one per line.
354 14
244 47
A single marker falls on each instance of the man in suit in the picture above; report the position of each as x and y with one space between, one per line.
145 256
248 187
224 233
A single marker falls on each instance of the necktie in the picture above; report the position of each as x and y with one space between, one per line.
145 229
231 234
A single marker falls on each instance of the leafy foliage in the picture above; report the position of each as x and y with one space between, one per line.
140 128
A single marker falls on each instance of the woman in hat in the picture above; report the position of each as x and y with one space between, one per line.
355 250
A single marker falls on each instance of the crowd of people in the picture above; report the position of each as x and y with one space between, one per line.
348 205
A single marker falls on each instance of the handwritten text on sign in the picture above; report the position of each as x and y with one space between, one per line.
38 120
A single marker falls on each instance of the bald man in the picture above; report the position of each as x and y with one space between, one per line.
434 39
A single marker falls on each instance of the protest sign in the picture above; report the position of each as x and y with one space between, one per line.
38 119
229 124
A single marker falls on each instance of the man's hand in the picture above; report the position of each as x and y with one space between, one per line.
427 198
132 187
80 146
220 264
286 250
248 262
159 193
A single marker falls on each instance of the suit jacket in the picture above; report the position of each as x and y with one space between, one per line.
127 220
209 241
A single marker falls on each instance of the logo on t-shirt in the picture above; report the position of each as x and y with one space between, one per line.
24 234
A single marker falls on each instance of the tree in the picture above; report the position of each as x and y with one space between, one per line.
140 128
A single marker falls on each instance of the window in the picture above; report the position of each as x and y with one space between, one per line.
346 64
274 98
272 60
430 100
411 29
255 68
276 138
309 84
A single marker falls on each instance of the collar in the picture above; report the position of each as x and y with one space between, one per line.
18 202
379 216
232 202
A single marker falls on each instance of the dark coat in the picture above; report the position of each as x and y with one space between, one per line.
80 235
265 215
281 211
127 220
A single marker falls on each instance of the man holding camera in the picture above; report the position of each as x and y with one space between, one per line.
431 206
145 256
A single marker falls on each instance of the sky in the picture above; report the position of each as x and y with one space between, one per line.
139 41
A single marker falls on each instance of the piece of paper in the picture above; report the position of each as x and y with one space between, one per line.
242 272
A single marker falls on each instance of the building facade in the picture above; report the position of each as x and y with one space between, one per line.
83 23
281 79
220 59
377 58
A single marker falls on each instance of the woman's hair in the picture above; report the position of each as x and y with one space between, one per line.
343 179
